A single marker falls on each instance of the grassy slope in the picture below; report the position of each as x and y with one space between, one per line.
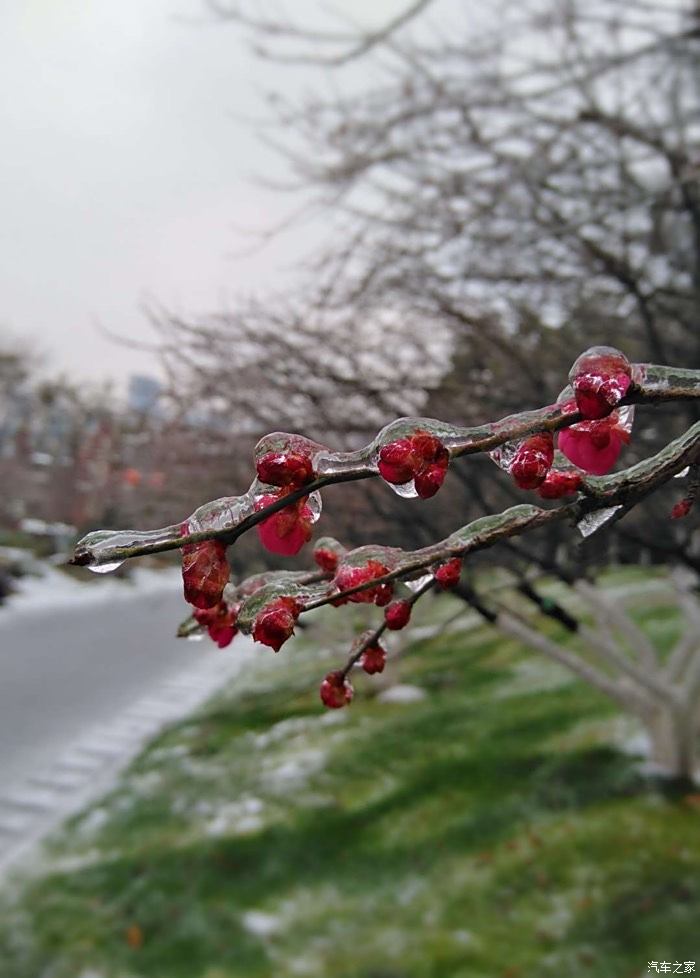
479 832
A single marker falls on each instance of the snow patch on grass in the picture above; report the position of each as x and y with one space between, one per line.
260 924
402 693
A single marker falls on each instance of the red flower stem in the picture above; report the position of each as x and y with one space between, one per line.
373 637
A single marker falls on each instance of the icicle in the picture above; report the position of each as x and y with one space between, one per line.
593 522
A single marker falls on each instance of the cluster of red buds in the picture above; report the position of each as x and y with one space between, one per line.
600 379
274 624
415 463
420 458
347 577
219 621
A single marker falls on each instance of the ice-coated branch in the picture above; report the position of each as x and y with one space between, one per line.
361 574
228 518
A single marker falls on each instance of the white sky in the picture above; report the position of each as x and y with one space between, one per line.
125 169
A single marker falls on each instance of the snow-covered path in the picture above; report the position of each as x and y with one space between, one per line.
87 674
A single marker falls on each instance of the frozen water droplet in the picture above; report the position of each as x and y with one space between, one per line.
683 474
105 568
419 582
315 504
503 455
195 637
594 521
407 490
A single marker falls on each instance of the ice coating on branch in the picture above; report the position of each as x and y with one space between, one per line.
222 514
509 521
249 585
600 378
363 565
105 550
102 551
654 378
279 587
109 548
283 459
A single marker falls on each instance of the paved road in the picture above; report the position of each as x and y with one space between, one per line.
71 667
81 688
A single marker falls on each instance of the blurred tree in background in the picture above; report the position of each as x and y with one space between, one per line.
503 187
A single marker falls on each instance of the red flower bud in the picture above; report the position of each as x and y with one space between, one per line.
327 560
681 509
373 659
336 691
205 572
287 530
285 469
558 484
397 463
274 624
397 614
427 447
533 460
447 575
349 577
430 479
421 457
383 594
600 378
220 622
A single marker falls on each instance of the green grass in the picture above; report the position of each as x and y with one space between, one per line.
482 831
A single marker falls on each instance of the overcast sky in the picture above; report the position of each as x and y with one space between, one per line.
125 170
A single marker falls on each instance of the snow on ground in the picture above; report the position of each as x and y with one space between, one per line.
50 588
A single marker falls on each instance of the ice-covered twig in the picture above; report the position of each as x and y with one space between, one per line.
228 518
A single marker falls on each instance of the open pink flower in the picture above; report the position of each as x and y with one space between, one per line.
594 445
287 530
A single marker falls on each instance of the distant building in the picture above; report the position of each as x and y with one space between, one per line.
143 394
